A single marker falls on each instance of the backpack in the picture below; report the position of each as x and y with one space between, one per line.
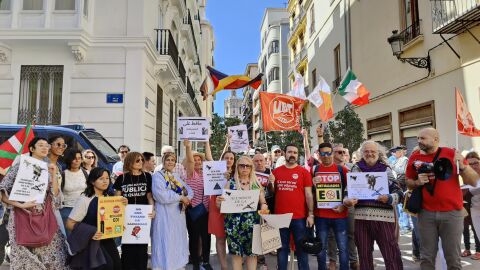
85 173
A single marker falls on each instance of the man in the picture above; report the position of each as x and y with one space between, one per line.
442 203
150 163
263 174
339 154
330 214
398 167
346 159
292 185
118 167
179 168
276 153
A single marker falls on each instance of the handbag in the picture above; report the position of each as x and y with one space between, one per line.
35 228
310 243
196 212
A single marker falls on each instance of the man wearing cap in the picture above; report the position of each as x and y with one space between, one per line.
179 168
276 153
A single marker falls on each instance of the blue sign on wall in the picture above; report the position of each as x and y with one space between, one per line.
115 98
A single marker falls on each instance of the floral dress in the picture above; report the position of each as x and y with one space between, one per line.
239 229
48 257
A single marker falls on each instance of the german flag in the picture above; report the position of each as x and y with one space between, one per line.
222 81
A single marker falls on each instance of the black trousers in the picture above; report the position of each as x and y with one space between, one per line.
110 252
134 257
197 230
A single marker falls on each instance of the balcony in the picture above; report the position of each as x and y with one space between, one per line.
454 16
296 21
411 32
193 97
297 59
187 20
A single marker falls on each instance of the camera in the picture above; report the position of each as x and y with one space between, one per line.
423 167
442 168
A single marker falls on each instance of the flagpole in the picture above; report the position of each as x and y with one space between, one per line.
456 129
266 141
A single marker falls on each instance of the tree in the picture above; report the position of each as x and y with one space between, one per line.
347 129
219 127
282 138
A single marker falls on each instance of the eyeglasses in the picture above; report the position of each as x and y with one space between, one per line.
60 145
244 166
325 154
475 163
277 151
341 152
139 160
90 157
124 152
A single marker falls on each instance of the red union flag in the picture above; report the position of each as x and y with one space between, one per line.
280 112
465 124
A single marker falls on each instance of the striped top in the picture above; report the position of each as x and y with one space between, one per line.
196 183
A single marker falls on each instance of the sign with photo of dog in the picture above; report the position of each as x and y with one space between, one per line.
367 185
31 182
239 139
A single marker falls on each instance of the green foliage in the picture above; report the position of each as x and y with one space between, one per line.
219 127
347 129
282 138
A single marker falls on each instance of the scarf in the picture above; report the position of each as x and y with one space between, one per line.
173 183
378 167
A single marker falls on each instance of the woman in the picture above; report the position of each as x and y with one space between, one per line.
197 214
74 181
216 221
89 160
85 211
169 231
376 220
135 185
239 227
53 255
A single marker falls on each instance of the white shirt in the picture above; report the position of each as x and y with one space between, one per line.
75 184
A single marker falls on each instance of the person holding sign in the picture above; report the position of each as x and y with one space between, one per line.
135 185
330 183
375 220
46 251
239 226
169 230
84 217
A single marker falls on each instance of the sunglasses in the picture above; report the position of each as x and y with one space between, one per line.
244 166
277 151
340 152
139 160
60 145
325 154
90 157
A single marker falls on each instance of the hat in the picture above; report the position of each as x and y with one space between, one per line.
201 155
275 148
399 147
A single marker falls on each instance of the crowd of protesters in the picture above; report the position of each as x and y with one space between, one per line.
184 218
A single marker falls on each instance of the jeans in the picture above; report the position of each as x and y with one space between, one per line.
64 213
299 228
340 228
415 238
403 218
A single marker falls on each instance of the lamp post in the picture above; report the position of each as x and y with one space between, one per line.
396 41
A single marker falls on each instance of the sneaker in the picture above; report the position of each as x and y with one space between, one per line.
466 253
475 256
207 266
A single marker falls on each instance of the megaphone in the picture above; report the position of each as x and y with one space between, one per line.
443 168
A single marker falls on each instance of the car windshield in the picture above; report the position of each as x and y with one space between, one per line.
99 142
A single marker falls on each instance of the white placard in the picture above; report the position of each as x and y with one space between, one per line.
193 128
239 201
278 221
214 177
137 224
368 185
239 139
31 182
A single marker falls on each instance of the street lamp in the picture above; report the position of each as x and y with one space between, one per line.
396 41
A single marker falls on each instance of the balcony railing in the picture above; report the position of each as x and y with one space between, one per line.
336 83
166 44
454 16
188 20
192 95
411 32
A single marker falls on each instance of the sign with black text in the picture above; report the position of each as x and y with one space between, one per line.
368 185
239 201
193 128
328 189
31 182
214 177
239 138
137 224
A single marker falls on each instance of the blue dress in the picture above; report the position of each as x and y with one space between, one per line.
169 228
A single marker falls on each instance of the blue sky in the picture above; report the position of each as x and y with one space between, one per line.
236 26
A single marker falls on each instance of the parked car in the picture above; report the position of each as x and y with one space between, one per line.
76 136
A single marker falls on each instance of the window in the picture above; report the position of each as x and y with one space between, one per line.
273 75
65 5
40 95
85 8
412 119
379 129
4 4
159 130
337 66
273 48
314 78
312 20
32 4
410 19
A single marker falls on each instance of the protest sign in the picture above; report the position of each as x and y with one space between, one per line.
239 201
278 221
214 177
328 189
110 216
262 178
31 182
367 186
137 224
239 138
193 128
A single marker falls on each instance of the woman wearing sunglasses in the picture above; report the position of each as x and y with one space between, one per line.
135 185
239 226
89 160
57 148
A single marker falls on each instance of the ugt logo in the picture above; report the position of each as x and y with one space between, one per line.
282 110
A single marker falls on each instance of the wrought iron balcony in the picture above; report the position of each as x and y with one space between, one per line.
411 32
454 16
192 95
166 46
40 116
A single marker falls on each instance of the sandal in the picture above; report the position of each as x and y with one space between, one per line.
466 253
475 256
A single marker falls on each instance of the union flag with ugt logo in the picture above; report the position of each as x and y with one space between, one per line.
280 112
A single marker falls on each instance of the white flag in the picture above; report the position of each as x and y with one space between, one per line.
315 96
298 87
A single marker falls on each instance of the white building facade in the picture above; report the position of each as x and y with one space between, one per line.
127 68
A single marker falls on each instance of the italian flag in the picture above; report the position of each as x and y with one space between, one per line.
352 90
16 145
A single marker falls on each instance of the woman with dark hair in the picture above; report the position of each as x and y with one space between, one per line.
85 212
135 185
47 256
74 181
169 230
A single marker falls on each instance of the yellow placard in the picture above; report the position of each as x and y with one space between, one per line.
111 212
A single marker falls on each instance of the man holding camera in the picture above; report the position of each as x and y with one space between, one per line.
442 203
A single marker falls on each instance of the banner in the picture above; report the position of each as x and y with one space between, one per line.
367 186
111 213
328 189
137 224
193 129
31 182
239 140
240 201
465 124
214 177
280 112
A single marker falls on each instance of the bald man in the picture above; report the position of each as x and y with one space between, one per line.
441 215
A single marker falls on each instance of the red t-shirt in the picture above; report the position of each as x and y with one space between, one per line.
447 195
290 187
330 176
